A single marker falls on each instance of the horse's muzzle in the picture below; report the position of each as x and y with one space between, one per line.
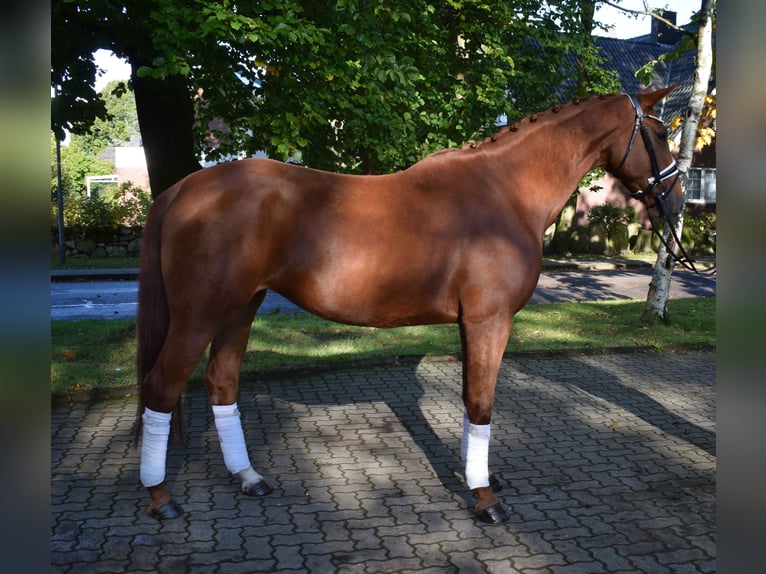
670 198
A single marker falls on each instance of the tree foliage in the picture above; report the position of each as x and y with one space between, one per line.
120 127
353 85
112 205
689 42
77 162
80 157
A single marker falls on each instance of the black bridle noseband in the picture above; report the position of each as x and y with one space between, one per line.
659 177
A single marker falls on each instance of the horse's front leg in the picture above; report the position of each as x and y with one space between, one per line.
483 344
222 382
232 439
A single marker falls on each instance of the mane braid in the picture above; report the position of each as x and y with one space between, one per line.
511 128
532 118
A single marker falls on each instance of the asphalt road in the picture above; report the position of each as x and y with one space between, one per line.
117 299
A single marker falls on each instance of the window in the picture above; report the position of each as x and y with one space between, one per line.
92 183
700 187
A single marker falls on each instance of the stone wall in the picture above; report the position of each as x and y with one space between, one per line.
124 242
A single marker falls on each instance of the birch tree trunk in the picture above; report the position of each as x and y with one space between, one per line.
656 307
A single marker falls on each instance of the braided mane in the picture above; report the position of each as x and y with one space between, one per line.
504 131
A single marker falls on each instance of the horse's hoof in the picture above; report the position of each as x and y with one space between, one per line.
260 488
494 514
495 483
167 511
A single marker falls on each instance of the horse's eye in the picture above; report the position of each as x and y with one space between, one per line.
662 136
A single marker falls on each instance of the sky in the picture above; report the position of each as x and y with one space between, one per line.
629 27
624 27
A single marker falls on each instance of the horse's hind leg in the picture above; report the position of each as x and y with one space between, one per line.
222 383
161 391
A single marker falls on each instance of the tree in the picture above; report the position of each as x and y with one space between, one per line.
165 109
77 162
111 205
592 78
79 158
656 307
355 86
121 125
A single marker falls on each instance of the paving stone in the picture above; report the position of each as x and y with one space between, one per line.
608 463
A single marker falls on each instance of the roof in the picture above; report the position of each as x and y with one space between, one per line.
627 56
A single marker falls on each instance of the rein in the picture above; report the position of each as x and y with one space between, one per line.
658 178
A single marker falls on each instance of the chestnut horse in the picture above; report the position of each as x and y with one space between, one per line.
455 238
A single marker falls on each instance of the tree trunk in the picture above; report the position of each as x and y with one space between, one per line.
166 117
656 307
659 289
561 241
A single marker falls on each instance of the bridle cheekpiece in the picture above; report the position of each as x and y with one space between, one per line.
659 176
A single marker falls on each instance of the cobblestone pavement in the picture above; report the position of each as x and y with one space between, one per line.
608 463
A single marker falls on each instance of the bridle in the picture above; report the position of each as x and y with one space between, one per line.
659 177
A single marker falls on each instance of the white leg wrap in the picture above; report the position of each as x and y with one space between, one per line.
154 447
232 438
475 453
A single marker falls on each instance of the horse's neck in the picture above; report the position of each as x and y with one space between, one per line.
561 147
537 163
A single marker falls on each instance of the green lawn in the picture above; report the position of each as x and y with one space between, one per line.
99 356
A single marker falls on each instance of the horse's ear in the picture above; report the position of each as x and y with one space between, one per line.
647 98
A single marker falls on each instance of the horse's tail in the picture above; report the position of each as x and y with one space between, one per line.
153 317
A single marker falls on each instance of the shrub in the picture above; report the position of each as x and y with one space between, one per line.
698 235
130 205
100 215
611 218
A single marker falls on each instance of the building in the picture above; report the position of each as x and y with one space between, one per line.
129 167
625 57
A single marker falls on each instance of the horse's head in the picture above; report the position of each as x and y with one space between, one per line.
648 169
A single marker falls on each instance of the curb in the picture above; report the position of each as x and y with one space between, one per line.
63 275
131 273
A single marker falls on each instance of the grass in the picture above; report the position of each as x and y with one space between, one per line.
92 357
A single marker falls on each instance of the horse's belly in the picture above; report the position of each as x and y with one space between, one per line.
372 299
